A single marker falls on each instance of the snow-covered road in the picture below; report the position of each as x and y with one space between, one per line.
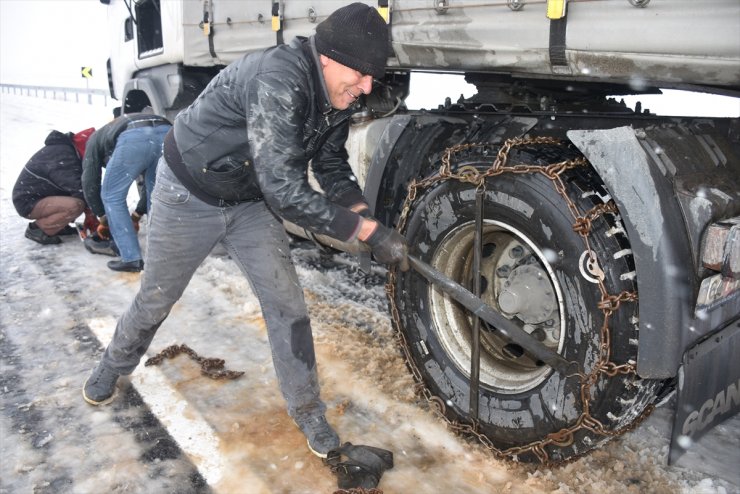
173 430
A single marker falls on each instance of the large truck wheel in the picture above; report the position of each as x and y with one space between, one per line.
537 271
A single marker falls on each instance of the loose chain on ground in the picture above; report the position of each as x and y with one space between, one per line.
608 304
211 367
358 490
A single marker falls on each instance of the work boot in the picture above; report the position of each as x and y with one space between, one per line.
320 437
67 230
129 267
100 386
36 234
95 245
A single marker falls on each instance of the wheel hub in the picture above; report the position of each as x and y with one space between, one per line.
517 280
527 294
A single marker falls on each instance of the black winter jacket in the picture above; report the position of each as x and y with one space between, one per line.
98 151
253 130
54 170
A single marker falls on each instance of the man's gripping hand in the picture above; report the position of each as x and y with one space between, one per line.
387 245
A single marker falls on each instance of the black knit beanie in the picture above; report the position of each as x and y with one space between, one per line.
355 36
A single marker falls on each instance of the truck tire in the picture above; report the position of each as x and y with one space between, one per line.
535 271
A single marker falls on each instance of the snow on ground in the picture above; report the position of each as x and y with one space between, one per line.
59 306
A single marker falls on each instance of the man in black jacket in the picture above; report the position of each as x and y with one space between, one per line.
236 163
49 191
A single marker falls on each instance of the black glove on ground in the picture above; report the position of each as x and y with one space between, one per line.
389 247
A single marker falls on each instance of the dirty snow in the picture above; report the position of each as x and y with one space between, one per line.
59 305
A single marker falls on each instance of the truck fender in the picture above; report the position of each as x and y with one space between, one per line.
660 247
405 142
380 156
163 88
140 92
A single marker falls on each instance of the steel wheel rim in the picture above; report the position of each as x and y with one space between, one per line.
501 368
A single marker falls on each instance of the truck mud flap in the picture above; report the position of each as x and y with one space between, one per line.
708 388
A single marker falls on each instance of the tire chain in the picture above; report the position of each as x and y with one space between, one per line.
210 367
608 304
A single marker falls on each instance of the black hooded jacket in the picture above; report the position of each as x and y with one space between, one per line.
55 170
253 130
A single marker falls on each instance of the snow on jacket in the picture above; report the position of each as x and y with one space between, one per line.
253 130
54 170
100 147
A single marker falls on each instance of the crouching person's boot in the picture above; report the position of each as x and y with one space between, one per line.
320 436
101 385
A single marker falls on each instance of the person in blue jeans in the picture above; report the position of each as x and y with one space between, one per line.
127 147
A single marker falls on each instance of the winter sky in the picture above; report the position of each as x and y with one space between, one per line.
46 42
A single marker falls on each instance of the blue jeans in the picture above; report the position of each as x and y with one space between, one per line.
137 151
182 232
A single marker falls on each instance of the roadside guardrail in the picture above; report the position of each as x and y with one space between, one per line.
58 93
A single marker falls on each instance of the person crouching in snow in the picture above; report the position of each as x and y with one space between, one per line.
49 190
